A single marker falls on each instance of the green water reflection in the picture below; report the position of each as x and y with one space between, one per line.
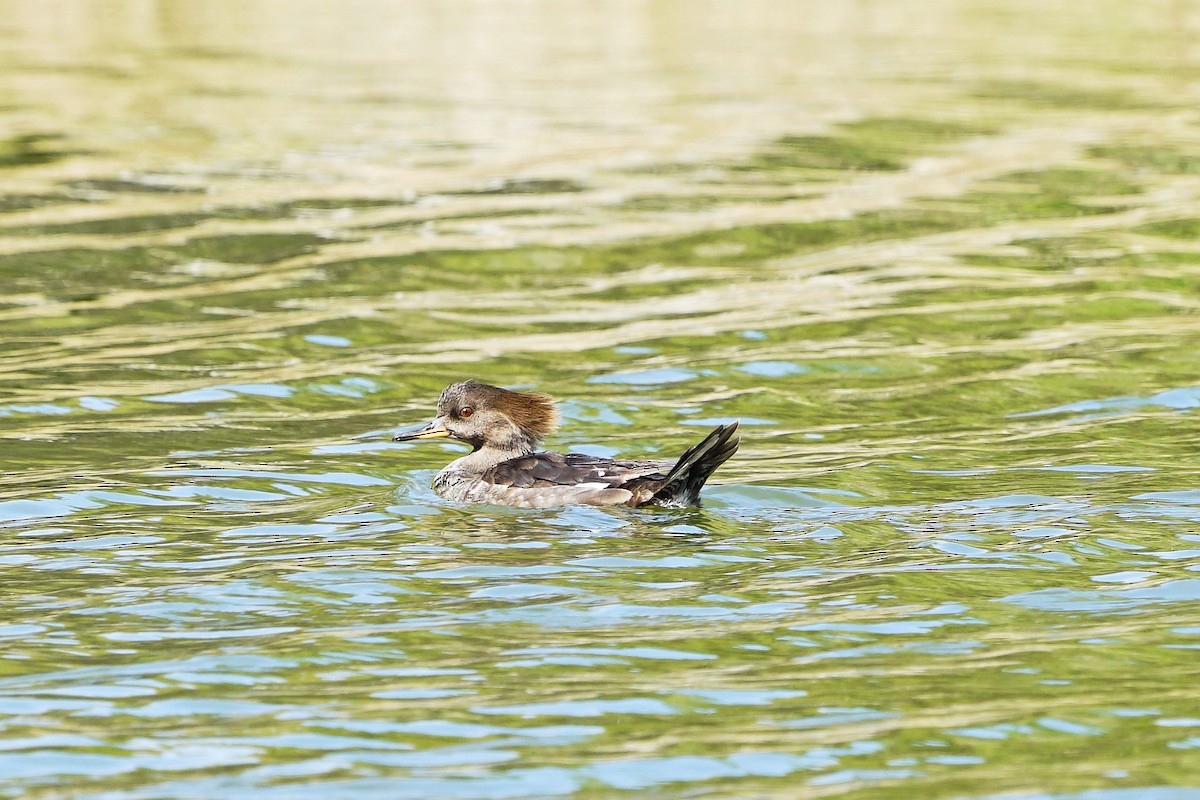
941 261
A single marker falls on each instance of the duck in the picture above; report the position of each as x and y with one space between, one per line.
505 467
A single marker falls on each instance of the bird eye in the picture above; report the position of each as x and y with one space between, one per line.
466 411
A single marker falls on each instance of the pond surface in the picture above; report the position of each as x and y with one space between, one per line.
941 259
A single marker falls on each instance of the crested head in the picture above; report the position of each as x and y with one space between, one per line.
488 416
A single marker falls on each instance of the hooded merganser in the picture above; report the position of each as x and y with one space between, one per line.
504 429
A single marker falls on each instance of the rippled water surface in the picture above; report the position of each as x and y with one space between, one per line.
941 259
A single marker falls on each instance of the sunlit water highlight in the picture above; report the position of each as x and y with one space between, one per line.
940 260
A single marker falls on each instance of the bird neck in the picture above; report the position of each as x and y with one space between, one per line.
490 454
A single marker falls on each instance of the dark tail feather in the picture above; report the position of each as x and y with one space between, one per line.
684 481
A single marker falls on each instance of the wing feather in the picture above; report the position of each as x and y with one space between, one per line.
583 473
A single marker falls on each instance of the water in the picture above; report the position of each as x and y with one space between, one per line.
939 258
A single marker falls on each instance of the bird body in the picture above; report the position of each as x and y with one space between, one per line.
506 468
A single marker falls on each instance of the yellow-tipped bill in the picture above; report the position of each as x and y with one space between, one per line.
433 430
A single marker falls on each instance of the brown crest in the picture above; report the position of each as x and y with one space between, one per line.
533 413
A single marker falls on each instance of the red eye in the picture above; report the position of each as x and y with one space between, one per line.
466 411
